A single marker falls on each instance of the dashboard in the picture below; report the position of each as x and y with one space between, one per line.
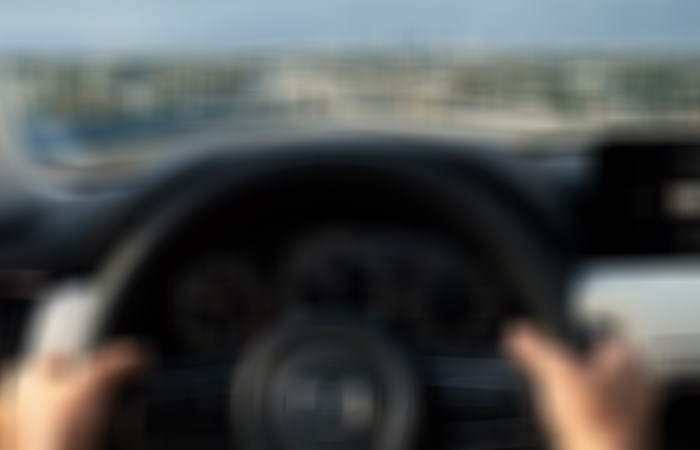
283 222
435 241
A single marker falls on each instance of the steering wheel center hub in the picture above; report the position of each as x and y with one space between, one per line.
322 396
325 383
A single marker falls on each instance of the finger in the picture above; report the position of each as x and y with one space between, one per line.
618 370
613 360
113 365
120 360
54 366
539 355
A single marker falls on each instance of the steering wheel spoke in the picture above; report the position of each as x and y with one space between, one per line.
479 403
177 405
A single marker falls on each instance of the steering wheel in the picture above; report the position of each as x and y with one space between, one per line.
322 379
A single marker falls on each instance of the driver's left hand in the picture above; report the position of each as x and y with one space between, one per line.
58 402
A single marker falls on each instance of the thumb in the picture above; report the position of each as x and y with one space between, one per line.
539 355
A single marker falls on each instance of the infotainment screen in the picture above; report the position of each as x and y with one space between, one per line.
646 198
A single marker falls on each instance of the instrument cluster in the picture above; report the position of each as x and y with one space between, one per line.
421 287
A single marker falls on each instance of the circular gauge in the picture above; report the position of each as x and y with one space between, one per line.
450 302
217 303
340 269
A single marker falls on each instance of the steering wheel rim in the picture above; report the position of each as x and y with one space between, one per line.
531 266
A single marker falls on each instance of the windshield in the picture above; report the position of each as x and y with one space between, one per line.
92 80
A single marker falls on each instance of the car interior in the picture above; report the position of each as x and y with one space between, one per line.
343 283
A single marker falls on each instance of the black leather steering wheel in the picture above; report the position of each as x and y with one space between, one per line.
338 360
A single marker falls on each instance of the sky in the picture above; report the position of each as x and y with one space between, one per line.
240 24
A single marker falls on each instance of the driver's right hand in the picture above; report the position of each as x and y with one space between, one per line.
601 402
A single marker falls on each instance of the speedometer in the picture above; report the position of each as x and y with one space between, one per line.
340 268
217 303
